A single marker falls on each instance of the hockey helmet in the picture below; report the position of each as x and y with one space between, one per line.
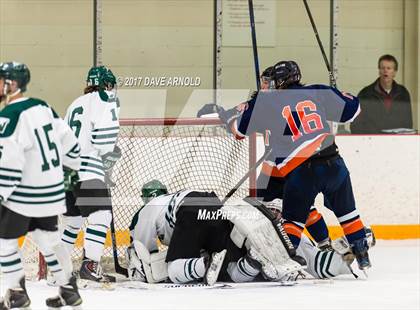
266 78
276 207
109 78
100 76
152 189
267 73
15 71
286 73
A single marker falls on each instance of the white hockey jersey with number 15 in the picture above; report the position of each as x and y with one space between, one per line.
95 123
35 143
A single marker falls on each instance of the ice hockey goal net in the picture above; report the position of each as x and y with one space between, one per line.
182 154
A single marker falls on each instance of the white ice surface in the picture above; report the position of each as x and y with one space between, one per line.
393 284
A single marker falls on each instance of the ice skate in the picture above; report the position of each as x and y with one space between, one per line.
68 295
213 268
360 250
91 270
16 298
325 245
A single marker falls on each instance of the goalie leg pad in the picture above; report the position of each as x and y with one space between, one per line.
55 254
260 235
151 268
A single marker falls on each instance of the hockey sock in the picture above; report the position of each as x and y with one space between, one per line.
352 226
72 228
294 231
316 226
57 258
98 224
321 264
186 270
242 271
11 263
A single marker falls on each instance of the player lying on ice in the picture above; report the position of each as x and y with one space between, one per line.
208 242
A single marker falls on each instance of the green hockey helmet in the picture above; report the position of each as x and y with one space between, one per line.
15 71
109 78
152 189
96 76
101 76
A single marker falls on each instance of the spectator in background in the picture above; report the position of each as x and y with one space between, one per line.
385 104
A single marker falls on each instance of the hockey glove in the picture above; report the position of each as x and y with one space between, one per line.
227 116
70 179
109 159
209 108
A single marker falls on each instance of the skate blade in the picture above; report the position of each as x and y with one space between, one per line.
88 284
365 273
79 307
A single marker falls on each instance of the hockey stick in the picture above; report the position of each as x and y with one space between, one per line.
321 46
118 268
333 82
254 43
246 176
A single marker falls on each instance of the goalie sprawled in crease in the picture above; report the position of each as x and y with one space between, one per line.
207 241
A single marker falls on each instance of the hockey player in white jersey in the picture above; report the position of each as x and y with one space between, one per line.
200 241
35 144
94 119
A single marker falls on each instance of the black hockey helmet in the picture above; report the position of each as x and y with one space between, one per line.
15 71
286 73
152 189
267 73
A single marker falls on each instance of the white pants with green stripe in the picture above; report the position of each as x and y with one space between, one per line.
321 264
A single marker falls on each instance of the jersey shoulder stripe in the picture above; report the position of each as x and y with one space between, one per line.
9 116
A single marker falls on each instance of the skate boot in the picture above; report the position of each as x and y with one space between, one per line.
68 295
16 297
325 245
370 236
91 270
213 267
360 250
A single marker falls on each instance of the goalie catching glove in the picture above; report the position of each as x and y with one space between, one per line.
144 266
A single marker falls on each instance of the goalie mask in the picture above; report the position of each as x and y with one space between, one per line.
276 207
14 71
152 189
286 73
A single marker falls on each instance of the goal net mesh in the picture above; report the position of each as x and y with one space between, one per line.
181 153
